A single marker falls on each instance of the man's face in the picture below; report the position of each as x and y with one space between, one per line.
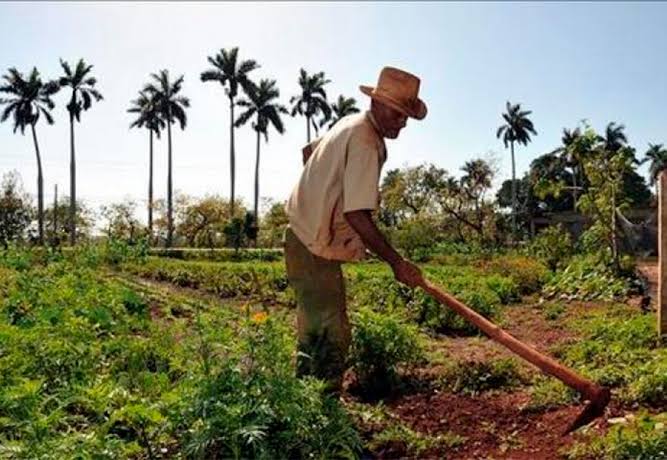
391 121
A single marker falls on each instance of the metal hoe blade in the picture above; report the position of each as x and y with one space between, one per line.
593 409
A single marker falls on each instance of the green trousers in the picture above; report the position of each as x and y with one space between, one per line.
322 324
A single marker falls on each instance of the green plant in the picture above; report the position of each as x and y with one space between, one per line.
381 343
553 246
586 278
472 377
641 437
415 443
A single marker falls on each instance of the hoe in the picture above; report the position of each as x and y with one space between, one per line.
597 396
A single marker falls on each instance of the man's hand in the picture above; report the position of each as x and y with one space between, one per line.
408 273
405 272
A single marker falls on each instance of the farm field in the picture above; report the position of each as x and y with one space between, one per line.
111 354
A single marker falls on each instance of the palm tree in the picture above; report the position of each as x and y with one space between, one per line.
614 138
230 73
148 117
312 101
571 155
657 155
261 101
341 108
171 108
83 93
517 128
28 100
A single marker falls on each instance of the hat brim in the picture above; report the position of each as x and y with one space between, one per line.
417 111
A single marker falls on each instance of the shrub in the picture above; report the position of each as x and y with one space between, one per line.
255 407
553 246
381 343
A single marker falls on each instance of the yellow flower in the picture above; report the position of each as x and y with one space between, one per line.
259 317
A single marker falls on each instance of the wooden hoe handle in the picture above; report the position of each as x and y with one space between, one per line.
588 389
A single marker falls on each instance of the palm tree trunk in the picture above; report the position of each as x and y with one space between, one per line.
150 189
514 230
40 189
256 215
308 128
232 158
170 217
574 189
55 215
72 179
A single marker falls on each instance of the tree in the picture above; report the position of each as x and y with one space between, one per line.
517 128
15 209
148 116
465 199
341 108
171 108
29 99
571 156
606 166
83 91
56 220
230 73
274 222
409 192
201 221
312 101
121 222
657 155
262 103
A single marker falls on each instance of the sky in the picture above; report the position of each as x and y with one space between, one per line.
565 62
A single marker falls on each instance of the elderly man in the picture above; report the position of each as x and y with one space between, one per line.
330 221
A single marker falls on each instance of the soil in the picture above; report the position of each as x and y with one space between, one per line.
496 424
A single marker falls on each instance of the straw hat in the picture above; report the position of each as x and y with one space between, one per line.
399 90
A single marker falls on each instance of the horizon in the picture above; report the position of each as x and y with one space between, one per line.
568 62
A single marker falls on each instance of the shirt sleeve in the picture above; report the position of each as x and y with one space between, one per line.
361 174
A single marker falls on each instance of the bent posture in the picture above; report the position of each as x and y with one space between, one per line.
330 221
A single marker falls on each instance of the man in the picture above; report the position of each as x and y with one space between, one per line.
330 221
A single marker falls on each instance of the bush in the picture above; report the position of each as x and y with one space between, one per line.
553 246
255 407
381 343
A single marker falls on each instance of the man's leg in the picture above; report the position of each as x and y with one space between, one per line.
322 323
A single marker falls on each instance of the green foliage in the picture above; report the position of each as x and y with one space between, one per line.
586 278
641 437
528 274
548 392
227 279
415 443
553 311
84 373
220 255
254 406
553 246
473 377
381 343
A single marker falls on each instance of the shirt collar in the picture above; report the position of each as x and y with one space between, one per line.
378 131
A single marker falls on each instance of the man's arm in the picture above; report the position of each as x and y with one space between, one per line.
362 222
